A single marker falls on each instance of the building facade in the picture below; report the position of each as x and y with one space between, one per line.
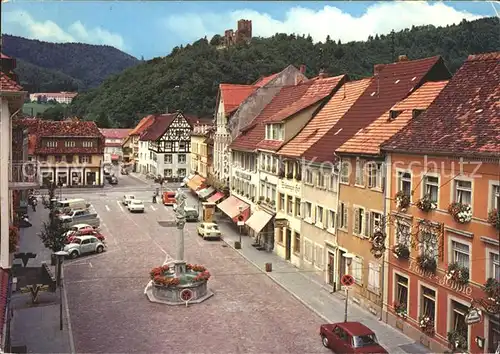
113 144
444 193
131 143
59 97
202 150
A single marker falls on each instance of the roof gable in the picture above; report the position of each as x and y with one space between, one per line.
142 125
233 95
464 119
158 127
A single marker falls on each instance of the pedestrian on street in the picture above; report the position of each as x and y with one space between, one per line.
33 203
154 197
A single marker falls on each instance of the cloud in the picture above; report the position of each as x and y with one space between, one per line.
52 32
380 18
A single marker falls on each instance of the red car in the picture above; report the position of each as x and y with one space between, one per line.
350 337
85 232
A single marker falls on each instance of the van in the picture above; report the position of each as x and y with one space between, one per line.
72 204
169 198
191 214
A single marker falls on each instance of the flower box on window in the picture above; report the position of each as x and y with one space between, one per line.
401 251
457 273
400 309
402 201
427 263
494 218
458 340
492 290
426 324
426 204
462 213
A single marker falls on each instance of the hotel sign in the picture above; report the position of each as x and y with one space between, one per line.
243 175
292 187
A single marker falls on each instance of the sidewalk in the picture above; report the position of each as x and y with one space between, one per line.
307 288
37 326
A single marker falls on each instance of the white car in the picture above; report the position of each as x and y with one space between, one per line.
127 199
209 230
135 206
84 244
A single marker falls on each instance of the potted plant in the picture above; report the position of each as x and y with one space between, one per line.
462 213
246 195
426 324
400 309
492 290
427 263
457 273
494 218
426 204
402 201
13 239
458 340
401 251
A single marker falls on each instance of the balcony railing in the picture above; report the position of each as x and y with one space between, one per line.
24 175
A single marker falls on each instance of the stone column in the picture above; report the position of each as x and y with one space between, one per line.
179 256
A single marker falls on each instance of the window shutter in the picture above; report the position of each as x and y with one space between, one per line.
325 218
356 220
302 210
313 214
368 231
339 215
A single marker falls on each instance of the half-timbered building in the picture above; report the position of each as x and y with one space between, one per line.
165 147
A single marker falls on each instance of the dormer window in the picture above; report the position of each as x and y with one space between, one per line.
394 114
274 131
416 112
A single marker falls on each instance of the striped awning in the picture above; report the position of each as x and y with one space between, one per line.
205 193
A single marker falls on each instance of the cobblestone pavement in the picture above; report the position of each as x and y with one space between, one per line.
110 313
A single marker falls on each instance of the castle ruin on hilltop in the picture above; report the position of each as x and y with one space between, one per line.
242 35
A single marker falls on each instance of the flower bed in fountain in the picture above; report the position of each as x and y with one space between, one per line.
165 276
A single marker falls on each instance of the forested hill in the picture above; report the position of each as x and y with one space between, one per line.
188 78
44 66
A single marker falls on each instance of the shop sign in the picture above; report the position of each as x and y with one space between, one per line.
291 187
243 175
280 223
443 281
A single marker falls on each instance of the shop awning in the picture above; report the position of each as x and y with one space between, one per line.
195 182
115 157
204 193
258 220
216 197
186 179
231 207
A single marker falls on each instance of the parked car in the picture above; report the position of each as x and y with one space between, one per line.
65 206
209 230
350 337
169 198
89 218
191 213
85 232
136 206
78 227
127 198
81 245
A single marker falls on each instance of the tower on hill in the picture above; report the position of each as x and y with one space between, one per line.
243 34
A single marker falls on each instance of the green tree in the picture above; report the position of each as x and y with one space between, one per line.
53 234
57 112
103 121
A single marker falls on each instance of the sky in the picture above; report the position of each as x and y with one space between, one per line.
152 28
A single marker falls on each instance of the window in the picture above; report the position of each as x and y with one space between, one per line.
69 144
402 291
84 159
345 172
319 215
405 182
331 219
319 256
289 206
494 266
460 254
458 321
360 173
51 143
321 180
431 188
428 244
309 177
375 175
58 158
87 144
308 250
181 172
428 303
308 211
359 221
463 192
168 146
375 223
282 202
332 181
357 270
342 216
274 132
268 132
167 158
279 235
182 146
167 172
297 207
69 158
495 196
403 233
181 158
296 243
493 335
373 277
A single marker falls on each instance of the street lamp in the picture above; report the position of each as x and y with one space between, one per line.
60 258
348 260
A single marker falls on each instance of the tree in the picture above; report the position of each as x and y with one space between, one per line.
53 234
216 40
103 121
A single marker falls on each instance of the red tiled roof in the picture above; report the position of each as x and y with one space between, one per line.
369 139
265 80
326 118
464 119
4 297
233 95
142 125
3 56
255 133
115 133
392 83
318 90
159 127
8 84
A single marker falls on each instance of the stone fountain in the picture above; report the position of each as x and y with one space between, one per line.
176 282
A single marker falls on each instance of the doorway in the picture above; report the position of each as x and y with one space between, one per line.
288 244
331 269
342 265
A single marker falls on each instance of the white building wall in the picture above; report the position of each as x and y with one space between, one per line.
175 165
144 157
222 139
5 206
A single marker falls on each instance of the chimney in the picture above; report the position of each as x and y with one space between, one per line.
322 74
377 68
302 69
402 58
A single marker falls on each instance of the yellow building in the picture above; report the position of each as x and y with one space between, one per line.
201 150
131 142
70 153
